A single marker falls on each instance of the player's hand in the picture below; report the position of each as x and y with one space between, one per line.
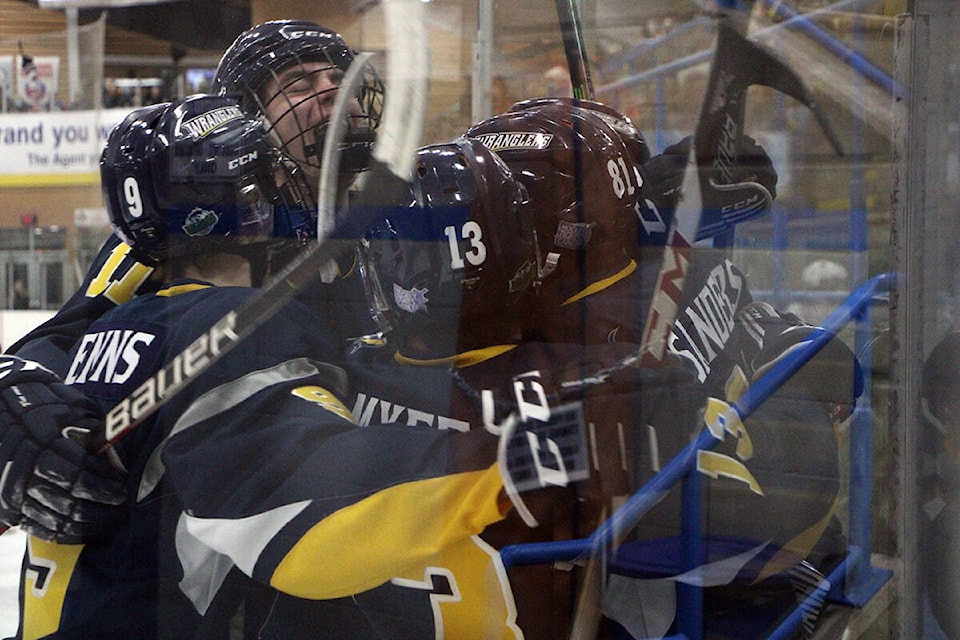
749 191
535 455
831 377
50 484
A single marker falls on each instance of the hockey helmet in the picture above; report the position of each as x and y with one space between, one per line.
619 122
444 269
582 180
197 171
275 70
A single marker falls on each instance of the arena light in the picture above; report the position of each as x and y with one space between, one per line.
97 4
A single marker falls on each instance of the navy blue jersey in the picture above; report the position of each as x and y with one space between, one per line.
476 391
254 486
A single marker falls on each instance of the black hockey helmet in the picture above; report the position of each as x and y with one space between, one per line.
275 70
451 269
582 180
198 172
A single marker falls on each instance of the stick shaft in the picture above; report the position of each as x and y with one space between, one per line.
575 49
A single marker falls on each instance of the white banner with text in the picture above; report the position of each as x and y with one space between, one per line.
54 148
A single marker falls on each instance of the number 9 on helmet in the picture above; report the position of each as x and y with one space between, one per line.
197 174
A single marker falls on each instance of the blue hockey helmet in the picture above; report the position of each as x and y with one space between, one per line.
179 176
275 70
451 269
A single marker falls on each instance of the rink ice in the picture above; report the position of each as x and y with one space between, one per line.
11 552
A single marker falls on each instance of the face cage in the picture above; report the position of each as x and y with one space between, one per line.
357 146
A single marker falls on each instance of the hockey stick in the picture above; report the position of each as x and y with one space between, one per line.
391 166
575 49
330 160
737 64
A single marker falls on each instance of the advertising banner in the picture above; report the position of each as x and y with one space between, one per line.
54 148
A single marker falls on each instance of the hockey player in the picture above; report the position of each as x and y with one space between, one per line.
252 489
720 333
305 54
287 71
450 285
578 161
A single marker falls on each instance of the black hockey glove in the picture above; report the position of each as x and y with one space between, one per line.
832 376
726 202
51 485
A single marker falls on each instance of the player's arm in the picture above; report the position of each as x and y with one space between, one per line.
285 484
832 377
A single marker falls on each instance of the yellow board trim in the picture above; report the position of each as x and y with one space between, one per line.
50 180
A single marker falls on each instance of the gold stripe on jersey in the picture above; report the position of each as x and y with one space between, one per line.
325 399
389 533
465 359
45 581
600 285
176 290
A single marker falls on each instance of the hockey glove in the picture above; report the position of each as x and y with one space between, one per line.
832 376
50 484
748 192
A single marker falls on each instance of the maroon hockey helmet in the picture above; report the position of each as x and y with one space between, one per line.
619 122
452 270
582 179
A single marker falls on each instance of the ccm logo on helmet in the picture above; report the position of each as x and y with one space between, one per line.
292 34
242 160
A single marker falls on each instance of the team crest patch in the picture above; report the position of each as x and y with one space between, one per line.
573 235
515 140
204 123
200 222
410 301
